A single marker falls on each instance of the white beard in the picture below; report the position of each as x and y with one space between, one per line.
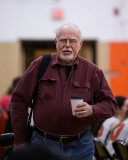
67 58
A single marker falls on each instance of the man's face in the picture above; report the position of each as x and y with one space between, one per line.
68 44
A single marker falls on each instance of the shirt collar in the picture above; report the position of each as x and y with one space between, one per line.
55 60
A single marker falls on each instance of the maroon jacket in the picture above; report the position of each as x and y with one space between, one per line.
52 111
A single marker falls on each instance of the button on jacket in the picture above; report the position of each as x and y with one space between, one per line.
52 112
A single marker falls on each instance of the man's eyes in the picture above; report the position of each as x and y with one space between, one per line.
63 40
72 41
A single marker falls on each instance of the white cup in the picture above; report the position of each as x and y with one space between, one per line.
75 101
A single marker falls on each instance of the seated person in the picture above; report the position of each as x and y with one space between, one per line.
119 129
104 130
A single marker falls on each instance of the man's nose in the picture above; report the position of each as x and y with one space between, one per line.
67 43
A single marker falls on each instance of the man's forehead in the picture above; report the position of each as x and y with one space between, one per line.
70 29
69 33
64 37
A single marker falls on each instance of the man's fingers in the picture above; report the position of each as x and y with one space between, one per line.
81 104
81 114
83 111
79 109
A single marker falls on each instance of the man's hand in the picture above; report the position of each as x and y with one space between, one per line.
83 110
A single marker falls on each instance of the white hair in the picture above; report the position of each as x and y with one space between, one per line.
69 24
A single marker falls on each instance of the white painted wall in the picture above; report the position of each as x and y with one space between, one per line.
32 19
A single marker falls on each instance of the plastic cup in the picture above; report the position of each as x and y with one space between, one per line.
74 102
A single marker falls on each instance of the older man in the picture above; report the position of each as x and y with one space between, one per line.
67 75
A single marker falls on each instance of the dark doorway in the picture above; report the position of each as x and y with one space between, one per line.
34 49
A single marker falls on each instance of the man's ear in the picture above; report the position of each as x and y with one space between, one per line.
55 41
81 43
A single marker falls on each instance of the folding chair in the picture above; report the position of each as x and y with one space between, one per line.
101 153
121 149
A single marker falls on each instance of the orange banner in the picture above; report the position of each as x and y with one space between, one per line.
119 66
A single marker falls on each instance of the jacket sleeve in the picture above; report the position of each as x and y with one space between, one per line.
104 102
22 99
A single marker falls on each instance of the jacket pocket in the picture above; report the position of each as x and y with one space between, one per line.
47 88
47 80
82 89
82 84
